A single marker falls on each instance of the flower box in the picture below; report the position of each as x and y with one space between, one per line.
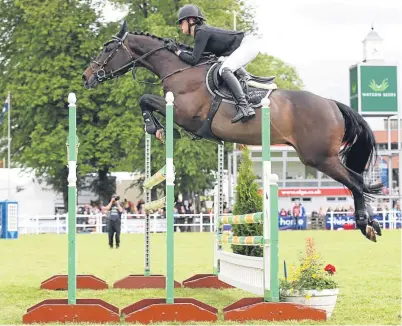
324 299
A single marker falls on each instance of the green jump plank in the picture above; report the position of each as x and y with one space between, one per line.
156 179
246 241
241 219
156 204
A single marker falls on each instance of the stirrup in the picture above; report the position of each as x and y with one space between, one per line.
243 115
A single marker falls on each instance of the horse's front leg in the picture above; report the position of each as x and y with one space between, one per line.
148 104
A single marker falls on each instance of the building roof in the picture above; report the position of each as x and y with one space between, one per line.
373 36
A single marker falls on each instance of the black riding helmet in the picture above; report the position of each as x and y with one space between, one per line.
189 11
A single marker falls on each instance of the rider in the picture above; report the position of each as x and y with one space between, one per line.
240 49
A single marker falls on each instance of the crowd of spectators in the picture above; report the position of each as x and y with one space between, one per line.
184 209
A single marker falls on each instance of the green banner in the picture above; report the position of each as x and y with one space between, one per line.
354 97
378 89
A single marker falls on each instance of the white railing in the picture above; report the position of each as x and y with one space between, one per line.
390 219
130 223
135 223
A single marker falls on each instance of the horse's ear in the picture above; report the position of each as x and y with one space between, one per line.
123 29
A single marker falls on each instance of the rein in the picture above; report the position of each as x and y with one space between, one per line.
134 70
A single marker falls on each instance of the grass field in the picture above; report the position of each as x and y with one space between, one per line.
369 273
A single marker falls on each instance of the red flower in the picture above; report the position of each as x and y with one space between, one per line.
330 269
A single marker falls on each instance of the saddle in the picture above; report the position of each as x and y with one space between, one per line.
254 87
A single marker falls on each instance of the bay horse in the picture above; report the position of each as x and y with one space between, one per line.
327 135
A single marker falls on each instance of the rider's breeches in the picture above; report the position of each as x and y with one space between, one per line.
245 53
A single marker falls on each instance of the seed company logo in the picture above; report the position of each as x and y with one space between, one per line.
380 87
378 90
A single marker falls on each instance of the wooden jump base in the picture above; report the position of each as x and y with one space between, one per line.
157 310
257 309
205 281
60 283
72 310
170 308
83 311
143 282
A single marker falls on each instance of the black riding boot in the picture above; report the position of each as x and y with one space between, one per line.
245 111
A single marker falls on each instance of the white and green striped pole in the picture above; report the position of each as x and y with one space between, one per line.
72 149
170 177
270 207
147 267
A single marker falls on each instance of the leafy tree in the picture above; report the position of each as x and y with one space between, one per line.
248 200
47 46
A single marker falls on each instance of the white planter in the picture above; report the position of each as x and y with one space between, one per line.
325 299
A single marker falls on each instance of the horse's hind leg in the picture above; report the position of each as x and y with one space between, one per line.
333 167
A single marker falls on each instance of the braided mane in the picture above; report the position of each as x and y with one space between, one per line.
181 45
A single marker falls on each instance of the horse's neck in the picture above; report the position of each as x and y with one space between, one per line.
165 63
162 62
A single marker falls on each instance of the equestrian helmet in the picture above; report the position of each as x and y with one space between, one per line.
189 11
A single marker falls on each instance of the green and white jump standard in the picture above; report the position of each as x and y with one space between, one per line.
72 310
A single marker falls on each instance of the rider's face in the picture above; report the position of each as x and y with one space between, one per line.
184 26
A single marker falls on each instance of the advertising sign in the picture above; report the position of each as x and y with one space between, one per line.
373 89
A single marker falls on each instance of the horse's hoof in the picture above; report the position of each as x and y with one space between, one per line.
370 233
376 227
160 135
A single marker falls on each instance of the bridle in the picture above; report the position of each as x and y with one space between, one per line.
101 74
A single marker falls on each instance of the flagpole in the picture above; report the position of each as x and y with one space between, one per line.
9 143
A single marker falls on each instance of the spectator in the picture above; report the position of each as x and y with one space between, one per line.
283 212
296 214
140 207
114 220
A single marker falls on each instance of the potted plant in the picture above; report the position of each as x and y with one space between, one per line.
310 283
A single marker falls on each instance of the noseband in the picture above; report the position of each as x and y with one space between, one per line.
101 74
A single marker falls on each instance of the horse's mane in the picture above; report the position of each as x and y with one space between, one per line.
181 45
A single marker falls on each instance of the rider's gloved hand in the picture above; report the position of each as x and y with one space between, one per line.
171 45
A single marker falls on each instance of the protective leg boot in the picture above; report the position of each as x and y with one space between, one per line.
245 111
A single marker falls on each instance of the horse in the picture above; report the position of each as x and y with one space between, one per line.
326 134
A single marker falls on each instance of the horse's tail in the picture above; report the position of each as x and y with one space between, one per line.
360 148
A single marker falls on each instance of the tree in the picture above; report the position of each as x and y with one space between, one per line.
47 46
248 200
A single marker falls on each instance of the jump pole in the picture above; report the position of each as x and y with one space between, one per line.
72 310
169 308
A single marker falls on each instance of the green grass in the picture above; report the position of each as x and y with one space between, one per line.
369 274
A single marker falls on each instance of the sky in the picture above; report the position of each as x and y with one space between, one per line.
323 38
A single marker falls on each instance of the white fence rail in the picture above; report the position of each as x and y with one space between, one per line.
391 219
130 223
135 223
